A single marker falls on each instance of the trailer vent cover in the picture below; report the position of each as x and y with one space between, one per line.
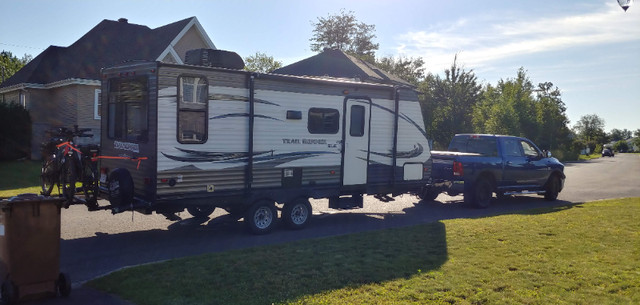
214 58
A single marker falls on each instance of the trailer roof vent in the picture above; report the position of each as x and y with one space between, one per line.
123 20
214 58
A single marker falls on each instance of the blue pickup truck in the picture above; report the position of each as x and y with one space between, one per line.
478 165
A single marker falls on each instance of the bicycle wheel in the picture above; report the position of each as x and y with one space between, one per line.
68 179
48 175
90 182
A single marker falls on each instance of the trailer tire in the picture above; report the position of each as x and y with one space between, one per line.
201 211
120 186
261 217
297 213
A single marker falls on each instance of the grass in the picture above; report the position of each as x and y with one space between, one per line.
580 254
17 177
588 157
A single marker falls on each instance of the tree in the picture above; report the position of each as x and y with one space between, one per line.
261 62
409 69
591 128
447 103
9 64
617 134
508 108
344 32
621 146
636 133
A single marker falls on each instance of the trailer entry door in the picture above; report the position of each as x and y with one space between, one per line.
356 141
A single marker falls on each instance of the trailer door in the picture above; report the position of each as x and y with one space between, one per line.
356 141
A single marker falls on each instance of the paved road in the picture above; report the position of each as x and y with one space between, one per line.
96 243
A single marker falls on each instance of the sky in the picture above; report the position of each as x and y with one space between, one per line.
589 49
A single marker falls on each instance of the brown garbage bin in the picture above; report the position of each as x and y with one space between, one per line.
30 248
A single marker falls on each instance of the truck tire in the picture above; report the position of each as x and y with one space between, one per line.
297 213
481 194
120 187
64 285
261 217
552 189
9 292
201 211
428 194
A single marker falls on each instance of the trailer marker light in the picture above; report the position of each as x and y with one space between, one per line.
164 180
332 172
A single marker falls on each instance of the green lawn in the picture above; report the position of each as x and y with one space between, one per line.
17 177
581 254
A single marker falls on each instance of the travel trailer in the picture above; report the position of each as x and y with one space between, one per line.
207 134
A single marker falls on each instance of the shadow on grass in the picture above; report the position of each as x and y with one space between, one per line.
275 271
19 174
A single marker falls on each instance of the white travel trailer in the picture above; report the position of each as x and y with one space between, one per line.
203 137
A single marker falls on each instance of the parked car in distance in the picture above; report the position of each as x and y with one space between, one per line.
607 152
479 165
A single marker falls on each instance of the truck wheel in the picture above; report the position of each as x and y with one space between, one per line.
201 211
428 194
482 194
552 189
9 292
120 186
297 213
261 217
64 285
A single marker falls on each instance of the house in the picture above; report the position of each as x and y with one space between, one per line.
336 63
61 86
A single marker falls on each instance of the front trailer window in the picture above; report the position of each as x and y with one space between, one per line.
192 109
128 109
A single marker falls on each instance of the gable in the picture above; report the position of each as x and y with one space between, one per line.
107 44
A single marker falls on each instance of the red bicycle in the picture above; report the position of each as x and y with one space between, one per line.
65 164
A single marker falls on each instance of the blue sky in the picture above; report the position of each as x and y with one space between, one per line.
589 49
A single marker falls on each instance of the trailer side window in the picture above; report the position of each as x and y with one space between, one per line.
356 128
193 97
323 121
127 109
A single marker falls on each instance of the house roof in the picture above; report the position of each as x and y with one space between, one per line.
108 43
336 63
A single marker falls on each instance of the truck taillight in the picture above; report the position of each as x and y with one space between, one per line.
458 170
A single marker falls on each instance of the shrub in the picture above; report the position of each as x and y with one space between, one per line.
15 131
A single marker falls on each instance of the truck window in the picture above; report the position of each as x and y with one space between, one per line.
323 121
529 150
127 109
512 148
193 98
485 146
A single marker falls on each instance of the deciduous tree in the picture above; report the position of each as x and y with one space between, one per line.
261 62
344 32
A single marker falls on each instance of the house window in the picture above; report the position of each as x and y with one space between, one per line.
127 116
97 104
323 121
193 109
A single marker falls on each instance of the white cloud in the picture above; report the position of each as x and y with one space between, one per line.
483 42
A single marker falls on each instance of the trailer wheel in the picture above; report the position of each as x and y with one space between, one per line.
200 211
120 187
261 217
64 285
9 292
297 213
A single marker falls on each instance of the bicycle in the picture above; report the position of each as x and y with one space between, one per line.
64 162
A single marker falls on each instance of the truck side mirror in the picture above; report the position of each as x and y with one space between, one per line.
546 153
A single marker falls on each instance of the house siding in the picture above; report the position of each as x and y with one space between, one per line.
191 40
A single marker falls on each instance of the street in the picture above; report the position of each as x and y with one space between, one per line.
96 243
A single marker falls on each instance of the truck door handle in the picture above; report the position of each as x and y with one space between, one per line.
509 162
